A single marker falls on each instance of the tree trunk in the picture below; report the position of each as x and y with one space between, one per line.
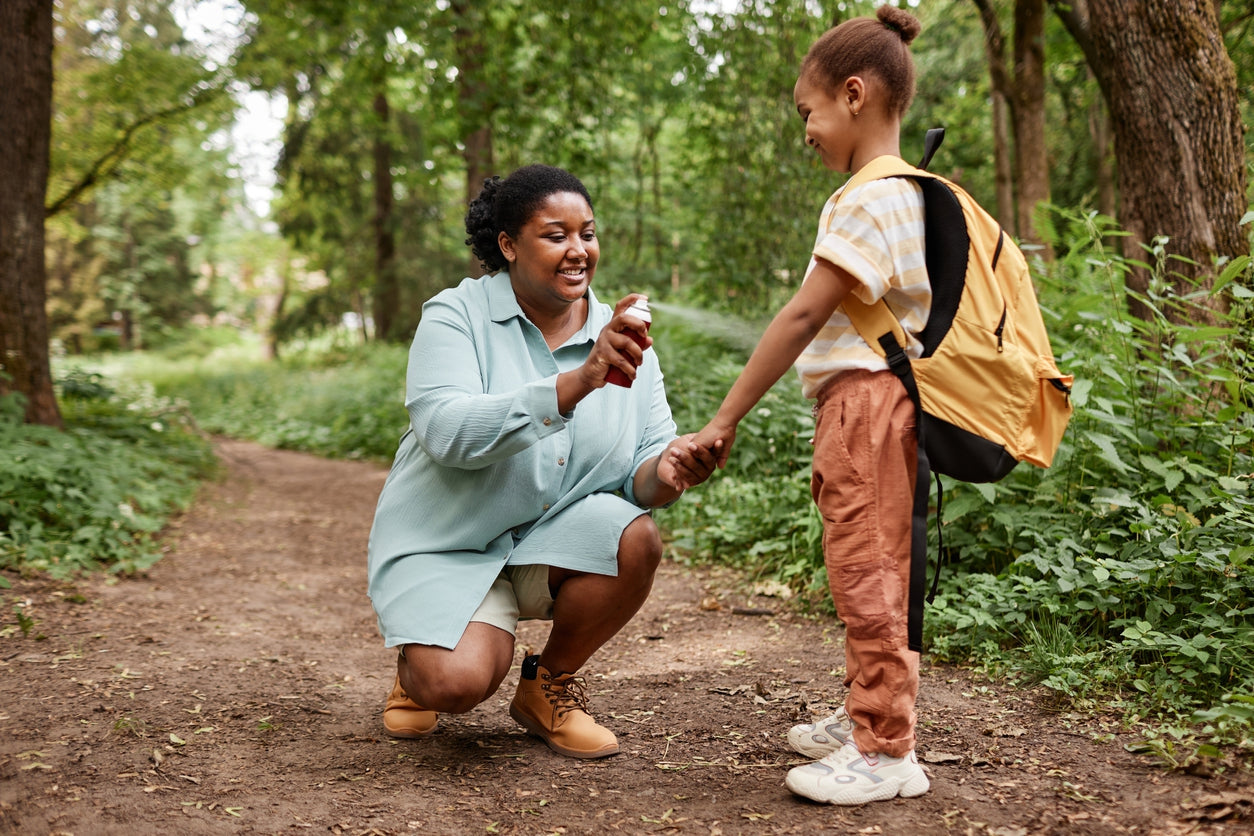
474 97
26 113
387 292
999 93
273 347
1103 157
1031 154
1175 111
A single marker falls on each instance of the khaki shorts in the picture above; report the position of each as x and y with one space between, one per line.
517 594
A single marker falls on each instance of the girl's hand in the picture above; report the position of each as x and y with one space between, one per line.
616 349
718 438
685 464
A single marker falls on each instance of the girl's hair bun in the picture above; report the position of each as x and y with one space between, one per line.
900 21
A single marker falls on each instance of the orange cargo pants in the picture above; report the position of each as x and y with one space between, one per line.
863 483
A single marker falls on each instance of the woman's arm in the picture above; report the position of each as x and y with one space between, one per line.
459 424
455 419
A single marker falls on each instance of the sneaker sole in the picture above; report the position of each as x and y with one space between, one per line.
536 730
891 788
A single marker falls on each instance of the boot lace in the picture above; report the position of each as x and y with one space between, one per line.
566 694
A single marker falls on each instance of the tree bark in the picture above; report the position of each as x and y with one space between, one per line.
1175 111
1031 154
474 97
387 292
999 91
26 113
1103 157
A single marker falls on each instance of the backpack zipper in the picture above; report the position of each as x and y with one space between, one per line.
1061 387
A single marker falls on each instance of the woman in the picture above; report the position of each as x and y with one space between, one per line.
522 487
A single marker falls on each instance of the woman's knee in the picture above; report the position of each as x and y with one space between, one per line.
640 547
451 682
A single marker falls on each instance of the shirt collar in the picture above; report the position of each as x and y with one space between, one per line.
503 305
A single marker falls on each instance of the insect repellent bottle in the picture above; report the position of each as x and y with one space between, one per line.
640 310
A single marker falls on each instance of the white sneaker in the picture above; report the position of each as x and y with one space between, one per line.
848 777
818 740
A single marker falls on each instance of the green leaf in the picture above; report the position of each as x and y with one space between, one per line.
1106 448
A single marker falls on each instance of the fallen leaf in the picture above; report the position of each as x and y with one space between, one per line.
940 757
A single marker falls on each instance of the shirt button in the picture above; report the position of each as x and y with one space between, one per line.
561 461
548 422
546 506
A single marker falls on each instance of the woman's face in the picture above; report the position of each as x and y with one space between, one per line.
553 257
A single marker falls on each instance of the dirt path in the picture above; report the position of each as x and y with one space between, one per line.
237 689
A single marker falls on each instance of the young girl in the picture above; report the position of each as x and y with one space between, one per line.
853 89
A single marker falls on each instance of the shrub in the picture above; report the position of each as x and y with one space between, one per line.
96 494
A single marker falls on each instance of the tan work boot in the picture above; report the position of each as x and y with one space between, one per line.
402 717
555 709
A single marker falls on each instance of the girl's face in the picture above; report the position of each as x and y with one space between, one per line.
553 257
829 121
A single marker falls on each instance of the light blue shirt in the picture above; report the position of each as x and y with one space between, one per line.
491 473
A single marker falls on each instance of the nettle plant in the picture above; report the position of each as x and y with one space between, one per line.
1124 570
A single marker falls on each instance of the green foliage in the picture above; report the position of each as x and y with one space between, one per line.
95 495
139 184
331 399
1125 568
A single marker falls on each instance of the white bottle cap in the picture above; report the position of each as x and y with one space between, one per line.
640 309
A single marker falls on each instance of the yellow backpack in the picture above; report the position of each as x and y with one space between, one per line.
988 390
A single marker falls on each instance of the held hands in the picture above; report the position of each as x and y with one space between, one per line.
685 464
718 438
615 349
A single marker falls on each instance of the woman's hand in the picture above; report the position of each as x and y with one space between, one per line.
685 463
616 349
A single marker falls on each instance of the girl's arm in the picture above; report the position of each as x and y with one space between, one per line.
792 329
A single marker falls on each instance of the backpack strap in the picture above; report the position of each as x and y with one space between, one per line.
875 323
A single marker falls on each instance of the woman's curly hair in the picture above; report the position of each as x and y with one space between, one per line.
506 206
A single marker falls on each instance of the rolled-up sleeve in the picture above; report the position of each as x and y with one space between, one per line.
867 239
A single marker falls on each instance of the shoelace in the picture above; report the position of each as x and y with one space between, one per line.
566 695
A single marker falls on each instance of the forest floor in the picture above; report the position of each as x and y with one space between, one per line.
237 686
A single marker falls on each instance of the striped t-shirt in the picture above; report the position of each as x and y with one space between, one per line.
876 234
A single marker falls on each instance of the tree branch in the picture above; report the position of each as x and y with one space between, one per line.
1074 15
112 157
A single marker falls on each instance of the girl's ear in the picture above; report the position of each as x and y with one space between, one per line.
855 93
507 247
